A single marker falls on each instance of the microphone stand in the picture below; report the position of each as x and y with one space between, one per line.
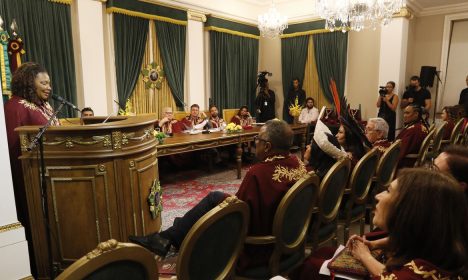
38 139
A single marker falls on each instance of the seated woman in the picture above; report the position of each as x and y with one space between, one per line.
425 241
351 142
448 115
243 117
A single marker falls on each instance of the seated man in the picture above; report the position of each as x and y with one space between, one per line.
376 133
168 124
262 189
215 121
309 114
86 112
195 120
243 117
412 135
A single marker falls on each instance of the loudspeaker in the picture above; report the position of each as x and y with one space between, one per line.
427 76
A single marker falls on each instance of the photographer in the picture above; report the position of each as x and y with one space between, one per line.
387 104
417 95
265 102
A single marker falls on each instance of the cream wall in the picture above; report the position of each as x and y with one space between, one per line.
362 75
270 60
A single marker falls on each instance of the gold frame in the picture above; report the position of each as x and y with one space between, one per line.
109 252
438 136
231 113
229 205
310 180
358 200
456 131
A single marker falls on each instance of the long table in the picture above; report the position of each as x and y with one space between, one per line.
184 142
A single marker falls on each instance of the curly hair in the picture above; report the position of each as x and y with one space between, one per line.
22 83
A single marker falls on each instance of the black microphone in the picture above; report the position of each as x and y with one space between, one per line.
60 99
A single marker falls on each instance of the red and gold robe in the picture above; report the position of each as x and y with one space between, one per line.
412 137
217 122
381 145
262 189
189 122
20 112
448 130
173 126
417 269
244 122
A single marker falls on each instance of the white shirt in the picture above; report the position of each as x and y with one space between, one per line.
308 115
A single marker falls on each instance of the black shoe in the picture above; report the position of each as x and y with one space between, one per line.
153 242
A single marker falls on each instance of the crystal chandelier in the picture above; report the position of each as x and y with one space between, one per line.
357 14
272 24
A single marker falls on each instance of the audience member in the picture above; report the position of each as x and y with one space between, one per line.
243 117
350 142
295 92
464 97
376 132
417 95
454 160
195 120
87 112
168 124
387 105
262 189
215 121
450 116
265 103
426 240
309 113
412 135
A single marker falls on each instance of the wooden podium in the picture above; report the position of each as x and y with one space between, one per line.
98 182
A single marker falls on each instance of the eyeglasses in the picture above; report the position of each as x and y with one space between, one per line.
258 139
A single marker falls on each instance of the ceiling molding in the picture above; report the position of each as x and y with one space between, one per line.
445 9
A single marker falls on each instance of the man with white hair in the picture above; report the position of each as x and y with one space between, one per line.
377 132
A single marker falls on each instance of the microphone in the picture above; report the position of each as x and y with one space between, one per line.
60 99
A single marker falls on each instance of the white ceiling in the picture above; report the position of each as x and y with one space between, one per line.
299 10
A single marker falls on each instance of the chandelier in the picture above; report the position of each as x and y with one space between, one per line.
272 24
357 14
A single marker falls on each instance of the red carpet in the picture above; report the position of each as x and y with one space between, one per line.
183 190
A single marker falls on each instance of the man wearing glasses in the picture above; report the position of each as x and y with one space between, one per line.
377 132
263 187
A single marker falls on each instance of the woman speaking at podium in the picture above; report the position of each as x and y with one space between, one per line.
30 87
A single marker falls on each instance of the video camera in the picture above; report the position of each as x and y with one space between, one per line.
262 80
382 91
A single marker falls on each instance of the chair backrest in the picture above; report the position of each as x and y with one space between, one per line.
387 164
293 215
211 247
438 135
228 114
456 131
424 149
332 189
113 260
361 177
179 115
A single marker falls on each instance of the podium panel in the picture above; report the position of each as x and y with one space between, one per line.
99 178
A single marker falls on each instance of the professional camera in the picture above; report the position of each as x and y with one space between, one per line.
382 91
261 81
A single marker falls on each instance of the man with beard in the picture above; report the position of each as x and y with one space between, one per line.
215 121
296 92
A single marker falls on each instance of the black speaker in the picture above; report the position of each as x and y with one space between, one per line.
427 76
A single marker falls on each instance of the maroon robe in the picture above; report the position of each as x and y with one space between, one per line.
416 269
20 112
244 122
448 130
381 145
262 189
412 137
216 122
189 122
173 126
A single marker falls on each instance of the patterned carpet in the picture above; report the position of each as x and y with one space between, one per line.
183 190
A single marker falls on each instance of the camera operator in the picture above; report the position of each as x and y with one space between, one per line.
265 102
417 95
387 104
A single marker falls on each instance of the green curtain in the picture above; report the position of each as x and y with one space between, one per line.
293 60
330 56
171 41
130 35
234 64
45 28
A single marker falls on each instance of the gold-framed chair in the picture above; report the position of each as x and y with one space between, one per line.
113 260
229 113
289 230
354 209
456 132
212 246
386 168
421 156
179 115
437 139
324 226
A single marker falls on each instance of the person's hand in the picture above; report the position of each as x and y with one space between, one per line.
307 153
259 111
203 115
354 238
164 120
411 100
359 250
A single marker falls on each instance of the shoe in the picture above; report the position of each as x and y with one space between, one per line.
153 242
